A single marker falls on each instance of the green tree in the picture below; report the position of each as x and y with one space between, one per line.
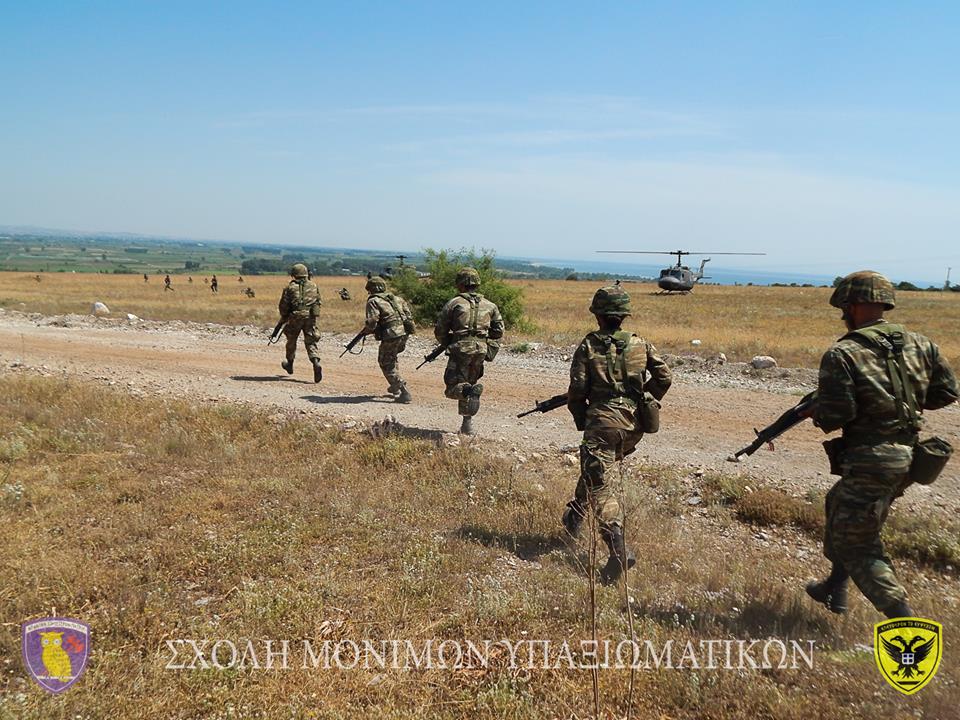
429 295
837 280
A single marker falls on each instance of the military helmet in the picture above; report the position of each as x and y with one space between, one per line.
299 270
375 284
864 286
612 300
468 277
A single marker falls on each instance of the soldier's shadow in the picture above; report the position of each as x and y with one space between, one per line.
526 546
348 399
269 378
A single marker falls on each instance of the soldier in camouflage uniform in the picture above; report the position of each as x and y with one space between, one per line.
610 372
874 383
299 308
389 320
469 326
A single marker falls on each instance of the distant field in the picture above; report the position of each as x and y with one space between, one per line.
792 324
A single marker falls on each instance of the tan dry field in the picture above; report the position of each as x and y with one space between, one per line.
792 324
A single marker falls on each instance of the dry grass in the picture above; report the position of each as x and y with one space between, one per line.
158 519
793 324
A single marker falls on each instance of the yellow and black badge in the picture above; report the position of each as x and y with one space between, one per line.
908 652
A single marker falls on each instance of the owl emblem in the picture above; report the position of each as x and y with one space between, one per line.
55 659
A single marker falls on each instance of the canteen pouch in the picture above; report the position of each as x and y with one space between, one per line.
834 450
648 413
493 347
930 456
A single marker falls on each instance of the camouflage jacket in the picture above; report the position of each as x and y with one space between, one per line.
608 374
385 314
856 393
300 300
467 322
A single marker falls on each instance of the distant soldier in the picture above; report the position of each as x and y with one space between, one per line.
36 278
145 278
344 294
299 308
240 278
389 320
214 285
874 384
249 292
206 281
190 279
166 284
469 326
612 372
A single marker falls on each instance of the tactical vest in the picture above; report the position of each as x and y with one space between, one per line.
622 388
396 326
304 300
889 340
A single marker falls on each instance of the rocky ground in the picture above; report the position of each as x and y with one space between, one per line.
710 412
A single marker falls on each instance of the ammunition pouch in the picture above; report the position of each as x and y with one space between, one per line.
648 413
930 457
409 327
834 450
493 347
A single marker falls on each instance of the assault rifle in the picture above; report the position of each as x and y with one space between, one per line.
434 354
353 343
795 415
546 405
275 335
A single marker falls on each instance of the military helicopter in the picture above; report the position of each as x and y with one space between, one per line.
677 278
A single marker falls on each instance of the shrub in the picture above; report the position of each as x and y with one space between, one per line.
428 295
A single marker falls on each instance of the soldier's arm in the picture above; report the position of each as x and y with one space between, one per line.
836 392
442 328
661 378
943 388
579 388
372 317
496 324
284 305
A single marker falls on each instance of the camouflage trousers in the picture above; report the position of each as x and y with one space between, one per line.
387 359
857 507
311 338
600 450
462 369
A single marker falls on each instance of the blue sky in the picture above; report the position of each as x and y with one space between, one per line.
822 133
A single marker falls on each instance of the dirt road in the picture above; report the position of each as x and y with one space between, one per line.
709 413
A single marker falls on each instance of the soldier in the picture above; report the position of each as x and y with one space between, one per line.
389 320
469 326
608 382
166 284
299 308
214 285
250 293
345 294
145 278
874 383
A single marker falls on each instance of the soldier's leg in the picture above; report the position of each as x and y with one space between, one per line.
455 376
387 360
291 332
858 510
311 341
598 457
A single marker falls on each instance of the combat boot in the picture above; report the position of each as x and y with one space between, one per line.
317 371
466 427
472 394
899 610
573 518
621 557
288 366
404 396
831 596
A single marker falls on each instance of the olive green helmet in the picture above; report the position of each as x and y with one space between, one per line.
864 286
299 271
468 277
375 284
612 300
